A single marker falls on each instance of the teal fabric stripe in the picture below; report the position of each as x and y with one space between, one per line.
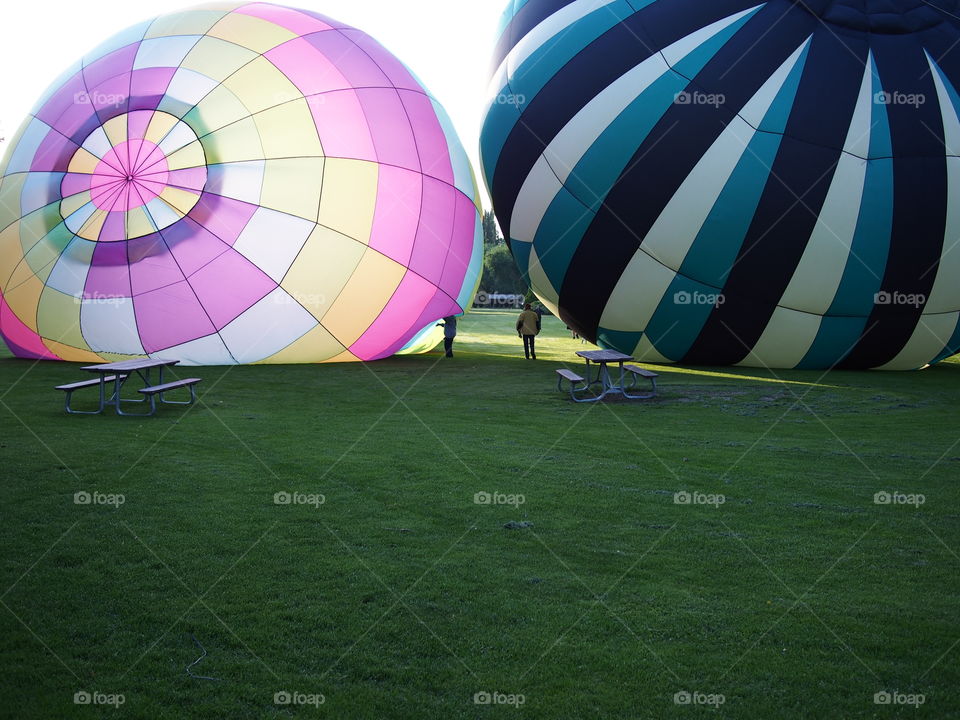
952 348
625 342
680 316
521 254
867 262
715 250
836 338
559 235
539 68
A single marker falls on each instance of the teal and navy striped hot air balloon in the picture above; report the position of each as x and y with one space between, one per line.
732 181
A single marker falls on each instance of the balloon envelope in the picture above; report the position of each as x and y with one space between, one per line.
732 181
255 184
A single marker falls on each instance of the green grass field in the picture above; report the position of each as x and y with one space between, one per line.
401 597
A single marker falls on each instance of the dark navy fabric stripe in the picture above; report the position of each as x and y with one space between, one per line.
597 66
919 201
673 149
526 19
782 225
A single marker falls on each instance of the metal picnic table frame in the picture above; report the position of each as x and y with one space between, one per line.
122 371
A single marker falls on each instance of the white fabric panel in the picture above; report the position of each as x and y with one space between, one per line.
267 327
785 341
187 87
180 136
165 51
858 137
945 294
637 295
208 350
97 143
674 232
237 180
538 191
69 275
110 325
818 274
929 338
272 240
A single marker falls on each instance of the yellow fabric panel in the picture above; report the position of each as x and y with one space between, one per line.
786 340
345 356
234 143
322 269
189 156
929 338
69 205
118 357
139 223
260 85
58 319
37 225
160 124
349 197
11 188
93 225
294 186
251 32
23 301
83 162
216 58
646 352
190 22
180 200
11 253
289 130
318 345
217 109
72 354
637 294
371 287
41 258
116 130
545 290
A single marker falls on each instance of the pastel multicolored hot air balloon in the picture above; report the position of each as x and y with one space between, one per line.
235 184
732 181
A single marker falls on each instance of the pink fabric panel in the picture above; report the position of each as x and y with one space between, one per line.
354 63
170 316
66 98
397 215
288 18
342 125
78 120
230 285
191 245
395 323
392 135
224 217
398 73
151 265
114 228
54 153
189 178
309 69
137 123
431 141
74 183
147 87
116 63
436 226
22 341
109 275
109 98
461 246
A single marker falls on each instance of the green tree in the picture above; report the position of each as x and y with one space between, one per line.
500 273
491 233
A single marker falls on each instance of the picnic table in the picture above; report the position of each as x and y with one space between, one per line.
602 359
116 374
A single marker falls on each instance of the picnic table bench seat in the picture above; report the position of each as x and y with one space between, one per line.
574 380
152 391
641 372
96 382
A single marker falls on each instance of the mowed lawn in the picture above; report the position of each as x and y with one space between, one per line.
597 596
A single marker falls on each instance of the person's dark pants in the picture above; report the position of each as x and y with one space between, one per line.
529 347
448 346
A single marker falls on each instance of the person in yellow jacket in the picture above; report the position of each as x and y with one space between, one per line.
528 327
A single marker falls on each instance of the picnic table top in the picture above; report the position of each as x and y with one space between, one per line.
603 356
131 365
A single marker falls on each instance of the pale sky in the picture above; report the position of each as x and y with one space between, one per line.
447 43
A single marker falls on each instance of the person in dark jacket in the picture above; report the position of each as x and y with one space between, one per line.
449 326
528 327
